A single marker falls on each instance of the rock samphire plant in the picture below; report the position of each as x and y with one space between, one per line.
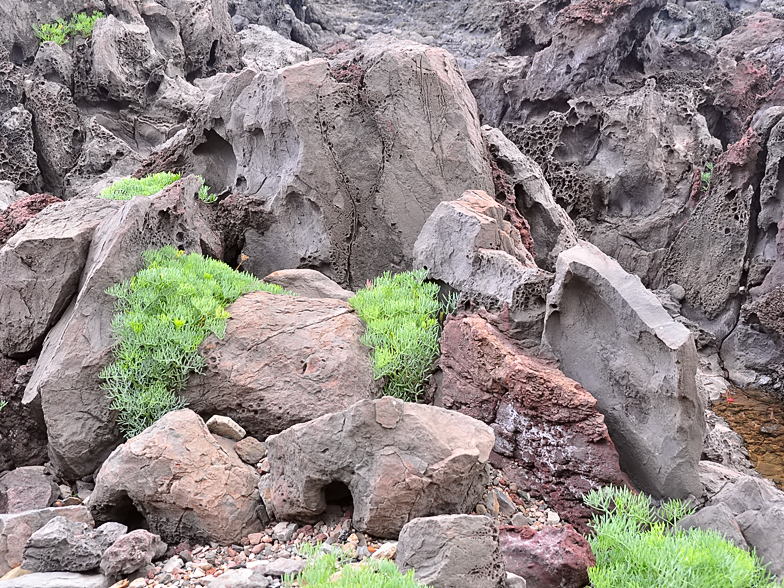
2 404
328 570
61 31
401 313
638 545
127 188
163 314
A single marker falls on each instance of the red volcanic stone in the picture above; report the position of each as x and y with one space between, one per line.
550 438
555 557
21 212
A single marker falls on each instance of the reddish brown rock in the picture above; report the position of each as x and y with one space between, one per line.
16 216
555 557
549 436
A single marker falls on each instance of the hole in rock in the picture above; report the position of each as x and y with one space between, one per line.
338 496
123 511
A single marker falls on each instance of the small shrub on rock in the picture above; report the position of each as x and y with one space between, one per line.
636 545
127 188
2 404
61 31
328 570
163 314
401 313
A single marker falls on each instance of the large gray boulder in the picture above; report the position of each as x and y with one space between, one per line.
452 551
398 460
614 337
264 49
182 481
40 269
16 529
283 360
81 428
63 545
467 244
350 157
551 228
132 552
717 518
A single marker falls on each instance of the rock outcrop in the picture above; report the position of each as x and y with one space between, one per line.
549 436
181 481
284 360
308 284
398 460
613 336
26 488
80 426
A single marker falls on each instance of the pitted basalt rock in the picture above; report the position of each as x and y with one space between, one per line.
18 160
549 436
57 130
432 462
54 64
10 82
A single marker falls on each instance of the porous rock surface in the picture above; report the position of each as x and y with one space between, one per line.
65 545
65 380
16 529
283 360
398 460
549 435
179 478
132 552
452 551
613 336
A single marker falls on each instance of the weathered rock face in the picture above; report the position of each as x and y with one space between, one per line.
555 557
40 269
551 228
265 49
432 462
468 245
79 346
308 284
132 552
452 551
18 162
350 187
26 488
64 545
549 436
178 477
613 336
284 360
23 439
14 218
16 529
717 518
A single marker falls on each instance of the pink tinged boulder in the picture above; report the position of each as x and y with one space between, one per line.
452 551
16 529
613 336
80 426
131 553
178 477
283 360
398 460
555 557
40 268
549 435
26 488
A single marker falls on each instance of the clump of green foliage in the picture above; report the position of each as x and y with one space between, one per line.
163 314
322 567
2 404
705 177
638 545
127 188
62 30
402 316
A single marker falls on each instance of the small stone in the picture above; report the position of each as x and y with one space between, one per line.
264 467
505 504
481 509
386 551
138 583
257 549
225 427
198 573
283 532
492 505
520 520
255 538
553 518
514 581
250 450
